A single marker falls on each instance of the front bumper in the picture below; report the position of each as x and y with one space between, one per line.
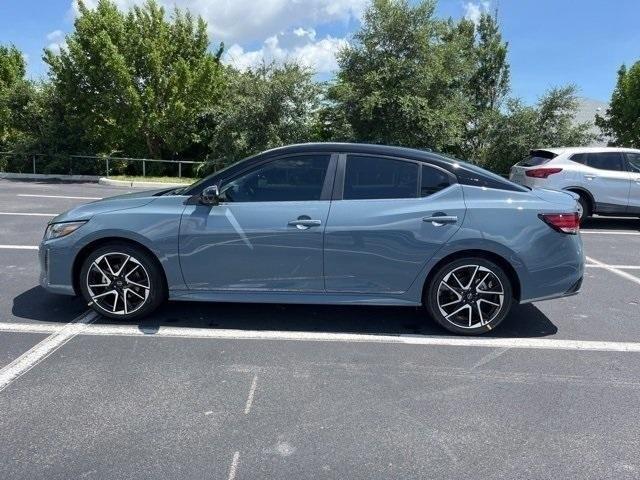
56 268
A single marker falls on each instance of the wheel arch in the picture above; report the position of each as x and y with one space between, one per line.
95 244
587 194
487 255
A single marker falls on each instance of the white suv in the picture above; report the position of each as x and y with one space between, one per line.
607 179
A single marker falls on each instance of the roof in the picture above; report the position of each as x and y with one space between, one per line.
570 150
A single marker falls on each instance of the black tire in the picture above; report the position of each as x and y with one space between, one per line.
585 204
470 299
140 270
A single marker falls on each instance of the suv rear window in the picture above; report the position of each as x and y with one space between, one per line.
536 158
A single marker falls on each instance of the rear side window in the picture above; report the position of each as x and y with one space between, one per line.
634 162
536 158
579 158
368 177
433 180
606 161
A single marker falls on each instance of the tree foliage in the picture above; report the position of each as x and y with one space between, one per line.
133 82
12 73
549 123
399 82
142 82
270 106
622 120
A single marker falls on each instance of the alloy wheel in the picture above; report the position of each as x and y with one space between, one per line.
118 283
470 296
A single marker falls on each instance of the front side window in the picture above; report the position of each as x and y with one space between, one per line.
368 177
297 178
634 162
606 161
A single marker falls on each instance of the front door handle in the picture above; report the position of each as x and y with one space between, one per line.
304 223
439 220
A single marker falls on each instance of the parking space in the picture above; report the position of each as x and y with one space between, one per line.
292 391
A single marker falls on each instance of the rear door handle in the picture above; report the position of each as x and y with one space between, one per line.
439 220
304 223
590 177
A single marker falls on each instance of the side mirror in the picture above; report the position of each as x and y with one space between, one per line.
210 196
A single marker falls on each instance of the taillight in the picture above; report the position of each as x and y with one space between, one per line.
542 172
562 222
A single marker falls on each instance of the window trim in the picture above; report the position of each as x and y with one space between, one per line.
340 177
327 182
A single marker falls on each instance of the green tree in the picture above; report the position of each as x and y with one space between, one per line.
266 107
622 120
402 79
12 77
549 123
488 86
132 83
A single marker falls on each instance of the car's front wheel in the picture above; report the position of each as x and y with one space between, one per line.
122 281
469 296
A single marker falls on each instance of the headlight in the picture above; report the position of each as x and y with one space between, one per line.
58 230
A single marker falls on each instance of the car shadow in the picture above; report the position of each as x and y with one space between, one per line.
40 305
523 321
611 223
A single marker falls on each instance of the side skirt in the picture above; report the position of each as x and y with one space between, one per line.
290 297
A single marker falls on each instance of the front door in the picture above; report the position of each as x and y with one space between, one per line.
634 193
266 234
394 215
607 178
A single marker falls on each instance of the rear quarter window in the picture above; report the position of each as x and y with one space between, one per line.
536 158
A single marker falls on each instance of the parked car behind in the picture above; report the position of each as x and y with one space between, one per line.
325 223
607 179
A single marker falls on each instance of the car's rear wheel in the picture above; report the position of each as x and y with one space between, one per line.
469 296
122 281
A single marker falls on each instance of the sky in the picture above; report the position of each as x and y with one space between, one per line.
551 42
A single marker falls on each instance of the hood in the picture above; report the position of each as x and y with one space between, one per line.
557 197
111 204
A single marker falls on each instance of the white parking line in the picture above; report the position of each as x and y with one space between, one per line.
252 392
39 352
608 232
615 270
29 214
18 247
425 340
620 267
57 196
234 466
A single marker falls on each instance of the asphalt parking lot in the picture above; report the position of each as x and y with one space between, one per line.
230 391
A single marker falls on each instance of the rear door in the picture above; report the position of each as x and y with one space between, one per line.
606 177
383 224
633 160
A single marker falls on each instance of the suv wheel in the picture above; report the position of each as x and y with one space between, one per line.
469 296
584 207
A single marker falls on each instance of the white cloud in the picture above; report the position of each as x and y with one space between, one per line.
473 11
234 21
56 41
292 46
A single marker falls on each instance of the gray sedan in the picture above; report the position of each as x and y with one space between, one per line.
325 223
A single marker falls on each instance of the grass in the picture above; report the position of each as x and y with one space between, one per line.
130 178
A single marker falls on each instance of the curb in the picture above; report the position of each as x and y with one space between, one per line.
124 183
49 176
